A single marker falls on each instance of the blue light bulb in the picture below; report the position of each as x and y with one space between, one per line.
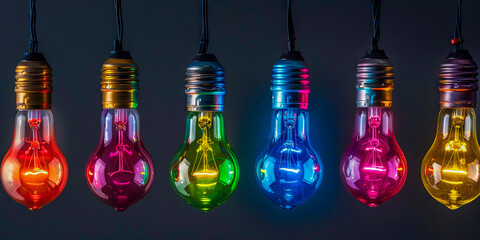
288 170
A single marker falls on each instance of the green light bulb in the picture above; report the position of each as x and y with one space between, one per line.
204 171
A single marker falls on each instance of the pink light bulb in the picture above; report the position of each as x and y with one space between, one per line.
120 171
373 168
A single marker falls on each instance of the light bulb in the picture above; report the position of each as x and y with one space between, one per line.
120 171
204 171
451 169
373 168
34 171
288 169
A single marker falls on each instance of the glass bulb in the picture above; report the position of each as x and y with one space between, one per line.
120 171
373 168
450 170
34 171
204 171
288 170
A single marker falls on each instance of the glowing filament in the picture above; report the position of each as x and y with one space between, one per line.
205 158
205 173
374 163
456 145
36 168
454 171
291 149
376 149
37 171
378 169
290 170
454 158
124 171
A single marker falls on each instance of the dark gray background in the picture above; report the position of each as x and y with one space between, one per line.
248 36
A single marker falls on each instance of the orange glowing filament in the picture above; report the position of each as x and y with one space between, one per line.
36 170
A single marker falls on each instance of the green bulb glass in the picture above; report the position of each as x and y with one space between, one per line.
204 171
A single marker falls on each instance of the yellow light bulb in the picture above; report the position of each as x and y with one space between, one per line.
451 168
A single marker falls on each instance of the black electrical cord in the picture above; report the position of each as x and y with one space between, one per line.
457 40
118 44
33 43
290 28
376 23
204 39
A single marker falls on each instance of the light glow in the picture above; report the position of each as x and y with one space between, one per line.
452 182
291 149
290 170
378 169
37 172
205 174
454 171
206 184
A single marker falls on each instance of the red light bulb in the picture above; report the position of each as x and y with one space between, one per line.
34 171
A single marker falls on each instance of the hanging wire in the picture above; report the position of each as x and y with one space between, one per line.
204 39
33 43
376 23
457 40
290 28
118 44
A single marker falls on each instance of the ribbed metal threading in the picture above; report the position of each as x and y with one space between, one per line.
290 85
205 84
33 85
458 81
374 81
120 81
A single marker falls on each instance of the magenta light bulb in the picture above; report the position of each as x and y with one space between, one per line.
373 168
120 171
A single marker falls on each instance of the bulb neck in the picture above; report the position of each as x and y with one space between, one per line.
380 118
459 123
210 123
124 122
458 81
290 85
119 81
374 80
34 119
293 122
33 85
205 84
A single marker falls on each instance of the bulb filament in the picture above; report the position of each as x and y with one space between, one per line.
454 168
290 151
36 172
205 166
121 173
373 167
